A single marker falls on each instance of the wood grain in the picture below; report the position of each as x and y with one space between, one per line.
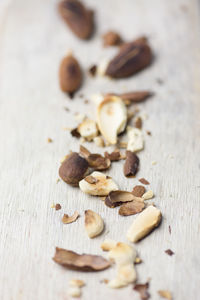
33 40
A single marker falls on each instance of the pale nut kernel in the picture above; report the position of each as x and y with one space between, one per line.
99 142
108 244
135 139
144 223
148 195
111 118
94 224
103 186
88 129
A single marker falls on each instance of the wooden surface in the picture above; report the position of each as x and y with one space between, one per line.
33 39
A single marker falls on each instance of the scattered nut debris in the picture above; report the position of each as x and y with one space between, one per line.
131 58
169 252
67 219
111 38
154 162
78 18
135 139
138 191
165 294
142 289
138 123
92 70
98 140
103 186
58 206
70 74
148 195
135 97
148 132
170 230
94 224
75 286
145 222
81 262
108 244
131 164
104 281
88 129
124 256
74 132
144 181
73 169
131 208
49 140
116 198
138 260
115 155
53 205
111 118
95 160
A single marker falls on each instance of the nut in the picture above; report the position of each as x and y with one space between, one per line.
144 223
116 198
98 140
134 97
124 256
81 262
135 139
73 169
70 74
148 195
131 164
108 244
75 287
111 38
138 190
78 18
94 224
67 219
88 129
95 160
131 58
102 187
131 208
111 118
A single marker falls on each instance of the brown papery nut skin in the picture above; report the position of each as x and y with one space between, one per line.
131 164
73 169
132 58
111 38
70 74
78 18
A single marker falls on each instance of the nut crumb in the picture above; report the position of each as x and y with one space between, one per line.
148 195
57 206
142 289
67 219
49 140
165 294
154 162
144 181
169 252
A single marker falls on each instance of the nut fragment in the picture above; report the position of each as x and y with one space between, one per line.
131 164
67 219
108 244
75 286
144 181
111 38
115 155
135 139
138 123
81 262
138 190
135 97
88 129
111 118
95 160
70 74
131 58
98 140
169 252
144 223
102 187
57 206
131 208
148 195
78 17
116 198
165 294
94 224
142 289
73 169
124 256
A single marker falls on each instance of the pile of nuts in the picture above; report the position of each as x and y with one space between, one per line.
84 169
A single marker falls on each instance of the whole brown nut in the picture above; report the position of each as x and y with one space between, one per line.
70 74
78 17
131 58
73 169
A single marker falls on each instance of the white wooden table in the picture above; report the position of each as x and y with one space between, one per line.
33 40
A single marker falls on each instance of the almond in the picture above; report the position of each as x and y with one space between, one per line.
111 118
132 57
144 223
78 18
73 169
102 187
70 74
94 224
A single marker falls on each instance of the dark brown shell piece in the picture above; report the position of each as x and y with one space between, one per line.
131 164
